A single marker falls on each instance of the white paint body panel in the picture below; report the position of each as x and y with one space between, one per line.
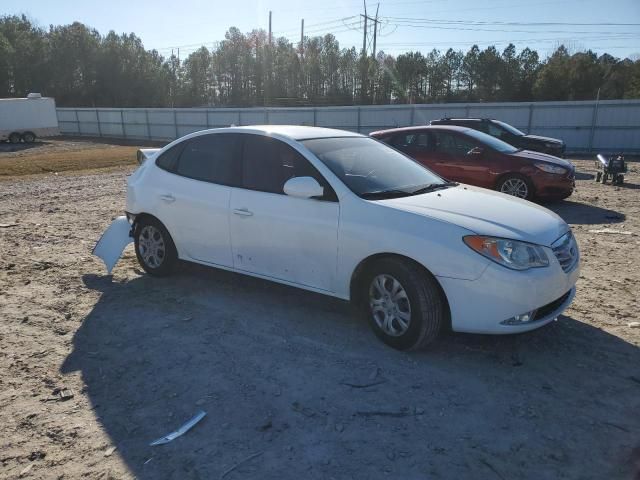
317 245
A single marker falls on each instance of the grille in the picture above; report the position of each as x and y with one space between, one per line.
550 307
566 251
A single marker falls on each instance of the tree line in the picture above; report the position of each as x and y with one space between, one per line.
80 67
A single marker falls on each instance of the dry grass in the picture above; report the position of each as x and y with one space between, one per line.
65 156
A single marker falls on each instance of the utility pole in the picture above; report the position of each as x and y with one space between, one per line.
269 27
375 31
364 37
302 38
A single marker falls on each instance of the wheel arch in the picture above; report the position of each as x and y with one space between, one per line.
138 217
362 268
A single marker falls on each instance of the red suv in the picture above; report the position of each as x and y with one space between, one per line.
469 156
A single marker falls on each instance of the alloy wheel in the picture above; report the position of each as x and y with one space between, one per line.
389 305
151 246
516 187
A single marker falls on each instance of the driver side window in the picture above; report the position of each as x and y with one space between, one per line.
268 163
450 144
496 131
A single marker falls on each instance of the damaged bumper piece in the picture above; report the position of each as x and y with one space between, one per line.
113 242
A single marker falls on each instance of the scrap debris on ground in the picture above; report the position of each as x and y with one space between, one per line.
94 366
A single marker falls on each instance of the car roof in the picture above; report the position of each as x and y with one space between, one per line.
297 132
454 128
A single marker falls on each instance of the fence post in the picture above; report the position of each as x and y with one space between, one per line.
466 110
75 110
124 130
359 108
175 123
146 116
239 118
98 120
266 116
413 115
594 120
315 113
530 118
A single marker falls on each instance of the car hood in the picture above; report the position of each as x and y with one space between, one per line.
486 212
538 138
542 157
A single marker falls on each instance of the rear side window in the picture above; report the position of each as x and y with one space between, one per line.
211 158
167 160
268 163
412 141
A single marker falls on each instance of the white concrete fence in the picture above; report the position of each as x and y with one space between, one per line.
586 126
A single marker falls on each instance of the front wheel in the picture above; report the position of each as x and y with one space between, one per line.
155 250
29 137
403 304
516 185
15 137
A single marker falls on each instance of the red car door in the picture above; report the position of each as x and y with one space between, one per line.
419 146
461 159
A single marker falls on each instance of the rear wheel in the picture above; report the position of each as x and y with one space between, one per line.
515 185
154 247
15 137
29 137
402 303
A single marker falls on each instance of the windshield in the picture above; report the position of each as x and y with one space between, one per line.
510 128
369 167
491 142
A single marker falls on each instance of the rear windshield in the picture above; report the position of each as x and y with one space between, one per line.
491 142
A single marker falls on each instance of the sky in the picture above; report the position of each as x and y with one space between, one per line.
404 24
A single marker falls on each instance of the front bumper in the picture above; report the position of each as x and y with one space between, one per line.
479 306
549 185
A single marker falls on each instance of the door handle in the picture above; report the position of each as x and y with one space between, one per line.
168 198
242 212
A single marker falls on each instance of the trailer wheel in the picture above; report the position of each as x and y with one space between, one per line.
29 137
598 177
15 137
605 176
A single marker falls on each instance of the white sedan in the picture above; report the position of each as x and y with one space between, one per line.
342 214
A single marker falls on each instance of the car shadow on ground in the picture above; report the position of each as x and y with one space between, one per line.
6 147
299 388
575 213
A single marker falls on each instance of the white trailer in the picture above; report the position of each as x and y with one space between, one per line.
24 119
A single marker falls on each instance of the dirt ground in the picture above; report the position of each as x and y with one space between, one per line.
94 367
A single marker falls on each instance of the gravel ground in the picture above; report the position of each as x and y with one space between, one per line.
95 367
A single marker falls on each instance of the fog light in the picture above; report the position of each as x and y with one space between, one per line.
520 319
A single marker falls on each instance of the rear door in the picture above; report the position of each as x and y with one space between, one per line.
193 190
419 146
273 234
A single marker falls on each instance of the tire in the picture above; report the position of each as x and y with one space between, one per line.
28 137
605 176
15 137
154 247
598 177
420 302
516 185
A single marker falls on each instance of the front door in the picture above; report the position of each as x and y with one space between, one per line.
458 157
273 234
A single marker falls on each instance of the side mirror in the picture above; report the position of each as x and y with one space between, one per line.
303 187
476 151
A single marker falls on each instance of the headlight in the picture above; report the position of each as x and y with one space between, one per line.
512 254
547 167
